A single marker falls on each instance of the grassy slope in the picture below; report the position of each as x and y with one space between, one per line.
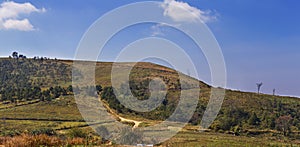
66 109
56 114
196 139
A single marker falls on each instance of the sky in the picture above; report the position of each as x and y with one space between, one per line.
259 40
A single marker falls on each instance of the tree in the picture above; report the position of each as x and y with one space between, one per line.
70 89
21 56
283 124
98 89
254 120
108 94
271 122
259 86
77 133
46 95
15 55
36 92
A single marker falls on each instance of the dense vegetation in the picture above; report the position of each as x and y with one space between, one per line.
28 79
239 115
253 114
242 113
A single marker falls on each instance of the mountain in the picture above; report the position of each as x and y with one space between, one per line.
32 86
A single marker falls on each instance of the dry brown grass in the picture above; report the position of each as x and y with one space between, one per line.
2 140
75 141
26 140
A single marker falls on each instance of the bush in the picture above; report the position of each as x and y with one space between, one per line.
216 126
253 120
77 133
47 131
10 133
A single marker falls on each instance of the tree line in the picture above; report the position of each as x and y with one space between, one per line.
16 55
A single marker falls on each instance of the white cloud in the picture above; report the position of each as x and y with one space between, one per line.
183 12
21 25
12 15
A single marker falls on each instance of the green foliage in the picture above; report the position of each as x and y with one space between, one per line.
160 113
237 130
98 89
109 96
39 131
232 117
25 79
70 89
283 124
10 133
254 120
77 133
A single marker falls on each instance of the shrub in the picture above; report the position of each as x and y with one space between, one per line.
47 131
283 124
10 133
77 133
253 120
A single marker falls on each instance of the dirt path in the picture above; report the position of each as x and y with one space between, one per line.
122 119
136 123
81 126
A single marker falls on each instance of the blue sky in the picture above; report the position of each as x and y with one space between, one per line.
260 40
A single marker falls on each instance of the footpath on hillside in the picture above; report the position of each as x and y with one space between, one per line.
118 117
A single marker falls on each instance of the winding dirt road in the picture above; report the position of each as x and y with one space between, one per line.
122 119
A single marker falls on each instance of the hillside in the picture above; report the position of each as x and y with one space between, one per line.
40 89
